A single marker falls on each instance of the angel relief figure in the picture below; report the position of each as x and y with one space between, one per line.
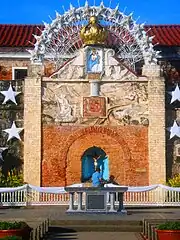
65 110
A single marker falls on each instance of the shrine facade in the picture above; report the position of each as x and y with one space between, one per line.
95 94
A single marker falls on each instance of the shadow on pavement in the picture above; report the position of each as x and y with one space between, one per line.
61 233
147 212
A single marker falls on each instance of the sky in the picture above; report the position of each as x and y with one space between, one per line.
37 11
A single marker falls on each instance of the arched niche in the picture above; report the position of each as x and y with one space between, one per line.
94 157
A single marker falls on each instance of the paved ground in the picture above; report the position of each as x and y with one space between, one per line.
59 213
95 236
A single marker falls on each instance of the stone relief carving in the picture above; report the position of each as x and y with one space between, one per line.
69 71
127 103
57 104
126 115
115 70
137 92
64 110
116 73
132 114
73 68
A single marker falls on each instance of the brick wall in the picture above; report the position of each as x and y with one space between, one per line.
6 66
63 147
157 128
32 126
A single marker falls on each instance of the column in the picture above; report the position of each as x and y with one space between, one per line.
94 88
71 202
80 194
32 125
112 202
156 130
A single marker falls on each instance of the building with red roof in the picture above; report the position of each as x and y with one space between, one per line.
99 92
16 39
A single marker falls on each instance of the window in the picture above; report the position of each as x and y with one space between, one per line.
178 150
19 73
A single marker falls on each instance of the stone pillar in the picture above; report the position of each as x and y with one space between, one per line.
112 202
71 202
94 85
32 125
80 203
156 130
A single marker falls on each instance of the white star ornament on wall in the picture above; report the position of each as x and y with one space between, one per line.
175 94
2 149
10 95
13 132
174 130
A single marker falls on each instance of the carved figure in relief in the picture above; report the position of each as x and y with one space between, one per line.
69 71
137 93
64 109
108 71
128 104
59 103
117 72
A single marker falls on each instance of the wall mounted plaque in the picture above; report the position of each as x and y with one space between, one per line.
94 107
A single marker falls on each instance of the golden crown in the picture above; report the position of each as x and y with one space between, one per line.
93 33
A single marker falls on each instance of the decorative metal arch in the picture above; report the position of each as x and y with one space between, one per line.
60 40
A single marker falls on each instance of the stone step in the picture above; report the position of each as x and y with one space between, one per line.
95 222
95 228
93 235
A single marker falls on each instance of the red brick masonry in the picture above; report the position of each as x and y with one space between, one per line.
63 147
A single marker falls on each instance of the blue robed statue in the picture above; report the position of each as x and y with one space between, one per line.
93 61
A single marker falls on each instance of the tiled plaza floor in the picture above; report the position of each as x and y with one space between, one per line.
95 236
59 213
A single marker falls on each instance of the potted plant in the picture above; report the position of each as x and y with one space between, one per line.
168 231
18 229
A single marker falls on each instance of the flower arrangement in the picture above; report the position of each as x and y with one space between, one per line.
13 178
175 181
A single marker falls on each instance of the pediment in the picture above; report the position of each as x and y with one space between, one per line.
113 69
73 68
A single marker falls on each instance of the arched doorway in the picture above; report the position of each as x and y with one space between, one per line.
94 157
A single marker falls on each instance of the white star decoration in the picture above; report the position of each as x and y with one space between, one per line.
174 130
2 149
175 94
13 132
10 95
